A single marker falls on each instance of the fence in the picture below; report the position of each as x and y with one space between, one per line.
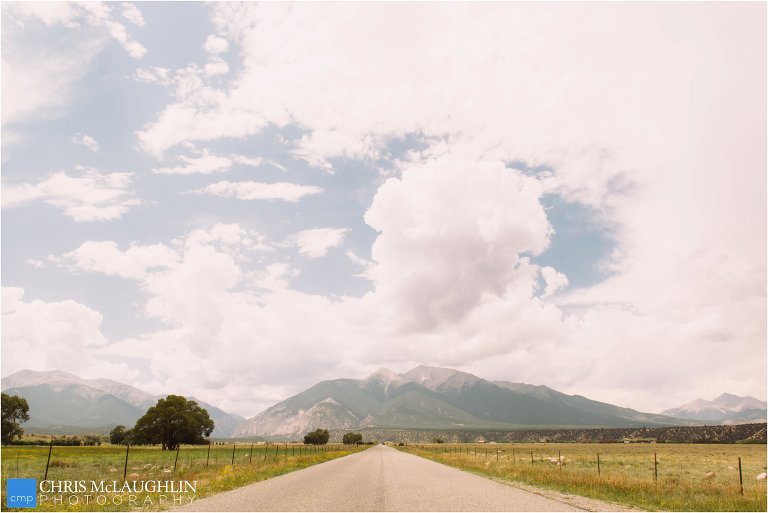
142 462
734 466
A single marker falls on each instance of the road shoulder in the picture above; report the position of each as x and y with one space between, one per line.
577 501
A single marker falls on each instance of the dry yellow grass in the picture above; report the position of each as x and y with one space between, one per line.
690 477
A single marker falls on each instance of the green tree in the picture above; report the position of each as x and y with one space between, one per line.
317 437
352 438
91 440
119 435
173 421
15 410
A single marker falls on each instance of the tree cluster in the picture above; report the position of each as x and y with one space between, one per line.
15 410
120 435
317 437
173 421
352 438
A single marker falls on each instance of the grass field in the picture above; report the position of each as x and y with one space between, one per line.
215 472
689 477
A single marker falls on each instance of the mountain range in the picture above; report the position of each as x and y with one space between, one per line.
437 398
424 398
725 409
62 402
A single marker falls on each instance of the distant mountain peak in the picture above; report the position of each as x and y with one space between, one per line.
104 401
433 377
385 380
725 407
383 374
29 376
726 396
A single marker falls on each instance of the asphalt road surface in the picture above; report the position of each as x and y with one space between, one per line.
379 479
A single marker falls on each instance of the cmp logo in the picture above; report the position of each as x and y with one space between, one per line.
21 493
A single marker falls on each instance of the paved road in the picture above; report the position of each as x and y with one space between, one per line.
379 479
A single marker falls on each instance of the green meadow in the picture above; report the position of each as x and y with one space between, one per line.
685 477
223 468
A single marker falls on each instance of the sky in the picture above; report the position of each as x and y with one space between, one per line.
236 201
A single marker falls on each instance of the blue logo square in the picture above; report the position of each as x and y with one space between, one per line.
21 493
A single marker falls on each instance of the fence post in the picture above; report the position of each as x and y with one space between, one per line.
177 458
125 468
598 464
741 483
531 458
250 458
265 452
559 460
49 461
233 453
209 454
655 468
513 456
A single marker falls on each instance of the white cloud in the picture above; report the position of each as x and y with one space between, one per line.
452 233
142 262
553 280
87 141
206 163
278 165
259 191
132 13
680 192
48 335
236 241
316 242
216 67
91 196
153 75
37 264
247 161
43 80
357 259
75 15
105 257
533 83
216 45
273 277
120 34
41 65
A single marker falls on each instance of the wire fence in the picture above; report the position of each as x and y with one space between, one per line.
144 462
739 467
